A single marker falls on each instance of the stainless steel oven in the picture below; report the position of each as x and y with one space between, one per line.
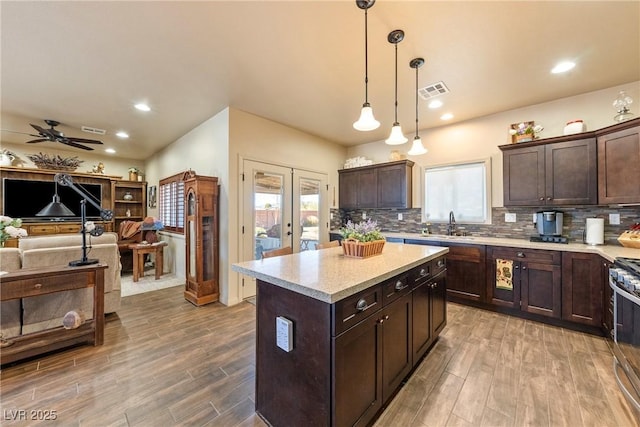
624 280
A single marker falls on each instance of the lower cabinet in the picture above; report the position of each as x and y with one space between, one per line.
373 357
525 279
582 288
466 272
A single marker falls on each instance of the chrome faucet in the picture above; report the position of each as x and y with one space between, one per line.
451 228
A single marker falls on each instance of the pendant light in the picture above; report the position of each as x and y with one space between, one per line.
366 121
396 137
417 148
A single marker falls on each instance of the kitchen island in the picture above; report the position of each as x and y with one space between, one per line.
336 336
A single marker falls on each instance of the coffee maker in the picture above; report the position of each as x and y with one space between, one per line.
549 225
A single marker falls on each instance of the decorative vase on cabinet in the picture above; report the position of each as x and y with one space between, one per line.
201 238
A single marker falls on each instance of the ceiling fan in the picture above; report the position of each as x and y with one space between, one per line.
54 135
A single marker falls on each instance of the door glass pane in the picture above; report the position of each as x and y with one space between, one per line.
268 193
309 213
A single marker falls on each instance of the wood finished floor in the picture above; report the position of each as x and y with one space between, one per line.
166 362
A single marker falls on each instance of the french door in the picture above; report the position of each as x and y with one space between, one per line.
282 206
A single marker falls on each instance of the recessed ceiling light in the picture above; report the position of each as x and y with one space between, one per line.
110 150
142 107
436 103
563 67
447 116
122 134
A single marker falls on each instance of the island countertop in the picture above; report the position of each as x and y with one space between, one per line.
327 275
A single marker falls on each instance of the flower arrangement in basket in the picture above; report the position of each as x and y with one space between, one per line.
362 240
525 131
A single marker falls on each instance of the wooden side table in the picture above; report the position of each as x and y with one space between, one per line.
140 250
31 282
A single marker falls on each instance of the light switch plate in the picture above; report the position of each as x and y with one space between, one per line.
364 215
614 219
400 217
284 333
509 217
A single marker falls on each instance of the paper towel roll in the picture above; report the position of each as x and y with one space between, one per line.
594 231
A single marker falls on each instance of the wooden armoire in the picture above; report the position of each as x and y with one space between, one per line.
202 238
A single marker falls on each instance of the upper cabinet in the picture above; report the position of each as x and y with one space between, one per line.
551 172
386 185
619 163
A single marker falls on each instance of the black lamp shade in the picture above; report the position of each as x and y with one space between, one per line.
56 208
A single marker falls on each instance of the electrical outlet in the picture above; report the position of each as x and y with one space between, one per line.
400 217
364 215
614 219
284 333
331 215
535 218
509 217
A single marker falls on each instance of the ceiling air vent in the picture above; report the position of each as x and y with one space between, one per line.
433 90
93 130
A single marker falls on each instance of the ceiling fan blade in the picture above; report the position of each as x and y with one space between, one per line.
83 140
40 130
37 140
21 133
73 144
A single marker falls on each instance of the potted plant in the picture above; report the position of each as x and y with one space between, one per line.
133 174
362 240
525 131
10 228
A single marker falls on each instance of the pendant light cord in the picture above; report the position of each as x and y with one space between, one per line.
366 59
417 102
396 104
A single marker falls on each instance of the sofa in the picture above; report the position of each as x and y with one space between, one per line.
46 311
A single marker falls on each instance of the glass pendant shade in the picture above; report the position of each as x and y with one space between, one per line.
417 148
621 104
396 137
366 121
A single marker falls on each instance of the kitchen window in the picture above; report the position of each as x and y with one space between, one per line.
463 188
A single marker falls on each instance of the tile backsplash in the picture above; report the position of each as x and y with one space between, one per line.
574 220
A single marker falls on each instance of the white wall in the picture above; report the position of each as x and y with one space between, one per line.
256 138
215 148
205 151
480 138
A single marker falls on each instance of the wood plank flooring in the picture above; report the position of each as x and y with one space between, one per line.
166 362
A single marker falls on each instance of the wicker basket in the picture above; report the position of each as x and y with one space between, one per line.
630 239
355 249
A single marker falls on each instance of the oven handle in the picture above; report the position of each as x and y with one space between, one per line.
621 385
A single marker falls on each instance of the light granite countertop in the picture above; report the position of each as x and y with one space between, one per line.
609 252
327 275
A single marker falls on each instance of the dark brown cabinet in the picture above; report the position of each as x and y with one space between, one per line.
525 279
386 185
553 172
582 290
618 160
466 272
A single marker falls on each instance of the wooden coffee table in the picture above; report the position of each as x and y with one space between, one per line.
139 251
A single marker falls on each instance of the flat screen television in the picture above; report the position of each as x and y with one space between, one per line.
25 198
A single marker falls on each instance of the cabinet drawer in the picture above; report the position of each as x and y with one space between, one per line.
527 255
43 285
68 228
42 229
438 265
394 288
356 308
420 274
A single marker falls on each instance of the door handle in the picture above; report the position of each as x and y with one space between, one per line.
289 233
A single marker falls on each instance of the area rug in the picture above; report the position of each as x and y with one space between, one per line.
147 283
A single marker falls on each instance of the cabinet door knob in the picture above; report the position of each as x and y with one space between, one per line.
541 199
362 305
520 255
423 272
440 263
516 267
524 267
37 285
549 198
